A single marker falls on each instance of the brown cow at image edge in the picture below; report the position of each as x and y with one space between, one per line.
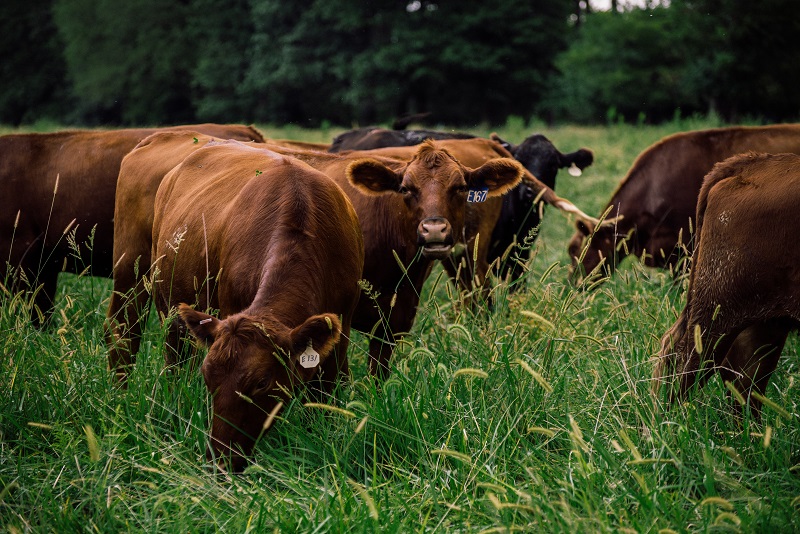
744 291
653 207
58 201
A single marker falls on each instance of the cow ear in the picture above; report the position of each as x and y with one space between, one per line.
201 325
373 177
585 227
580 159
497 175
313 341
505 144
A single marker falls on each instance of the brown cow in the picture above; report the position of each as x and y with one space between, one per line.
744 288
410 212
281 244
658 197
481 217
59 187
512 234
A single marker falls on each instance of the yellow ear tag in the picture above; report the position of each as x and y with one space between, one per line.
309 358
574 170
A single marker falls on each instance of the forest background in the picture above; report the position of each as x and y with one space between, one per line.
315 63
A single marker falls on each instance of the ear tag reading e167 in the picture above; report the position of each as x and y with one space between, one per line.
309 358
477 195
574 170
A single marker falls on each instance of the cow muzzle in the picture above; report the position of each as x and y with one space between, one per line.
435 236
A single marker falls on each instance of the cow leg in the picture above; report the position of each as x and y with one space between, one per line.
127 313
753 357
177 348
672 345
681 360
44 295
465 275
697 368
400 319
380 352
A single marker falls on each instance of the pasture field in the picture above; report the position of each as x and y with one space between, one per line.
534 416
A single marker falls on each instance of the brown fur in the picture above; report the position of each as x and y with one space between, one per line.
744 287
480 218
390 223
85 164
284 253
658 196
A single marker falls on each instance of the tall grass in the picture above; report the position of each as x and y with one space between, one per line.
534 416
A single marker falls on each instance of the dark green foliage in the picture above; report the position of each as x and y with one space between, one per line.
627 62
744 56
32 69
129 62
318 62
729 57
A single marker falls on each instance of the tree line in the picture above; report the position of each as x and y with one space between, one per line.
467 62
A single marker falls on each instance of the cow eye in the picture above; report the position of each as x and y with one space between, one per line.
403 190
262 385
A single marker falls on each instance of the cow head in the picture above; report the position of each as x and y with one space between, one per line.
252 367
540 156
597 248
543 160
434 188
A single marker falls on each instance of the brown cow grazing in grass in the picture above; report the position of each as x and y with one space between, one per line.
281 245
410 211
58 195
658 197
744 291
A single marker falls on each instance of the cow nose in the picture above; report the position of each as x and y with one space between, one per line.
436 237
434 229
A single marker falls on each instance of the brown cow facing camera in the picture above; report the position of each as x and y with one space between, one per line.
482 218
58 202
744 288
276 247
654 205
412 211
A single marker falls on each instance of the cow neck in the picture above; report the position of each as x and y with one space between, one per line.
289 286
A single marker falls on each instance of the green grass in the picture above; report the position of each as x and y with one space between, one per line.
533 417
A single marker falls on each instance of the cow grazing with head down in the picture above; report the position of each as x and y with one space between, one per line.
58 192
513 229
281 244
410 211
744 291
654 205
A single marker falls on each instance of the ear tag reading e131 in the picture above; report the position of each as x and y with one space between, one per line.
477 195
309 358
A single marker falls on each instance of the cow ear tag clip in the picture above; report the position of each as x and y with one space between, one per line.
477 195
309 358
574 170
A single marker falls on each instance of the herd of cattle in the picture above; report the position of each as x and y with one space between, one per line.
295 243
